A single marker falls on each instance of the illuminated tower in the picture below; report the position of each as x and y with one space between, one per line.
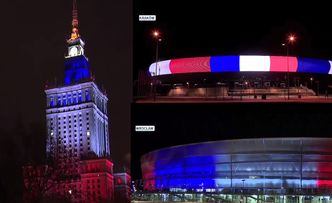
79 167
77 121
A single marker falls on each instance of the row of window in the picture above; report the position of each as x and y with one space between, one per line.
69 99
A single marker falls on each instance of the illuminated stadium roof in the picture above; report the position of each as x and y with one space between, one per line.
244 63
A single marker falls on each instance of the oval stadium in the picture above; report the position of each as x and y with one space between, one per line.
231 77
251 170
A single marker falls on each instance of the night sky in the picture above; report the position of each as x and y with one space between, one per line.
204 28
33 45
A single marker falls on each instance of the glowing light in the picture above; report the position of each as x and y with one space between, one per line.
88 133
70 191
291 38
156 33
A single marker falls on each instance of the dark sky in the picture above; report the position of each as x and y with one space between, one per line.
204 28
33 45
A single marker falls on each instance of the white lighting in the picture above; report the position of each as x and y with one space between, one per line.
69 191
254 63
88 133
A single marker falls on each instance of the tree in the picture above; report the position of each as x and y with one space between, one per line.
48 180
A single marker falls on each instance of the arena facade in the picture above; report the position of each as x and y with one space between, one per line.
242 63
251 170
238 75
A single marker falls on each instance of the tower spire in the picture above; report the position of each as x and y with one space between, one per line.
74 23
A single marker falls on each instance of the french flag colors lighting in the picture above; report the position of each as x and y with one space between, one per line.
246 63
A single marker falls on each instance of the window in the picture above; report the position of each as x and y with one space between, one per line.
75 99
79 97
52 101
87 96
59 101
69 99
64 101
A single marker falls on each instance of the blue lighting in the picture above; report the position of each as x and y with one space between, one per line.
313 65
52 102
75 99
225 63
64 100
76 69
87 96
187 172
80 97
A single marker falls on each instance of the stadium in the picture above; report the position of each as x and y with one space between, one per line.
245 76
242 170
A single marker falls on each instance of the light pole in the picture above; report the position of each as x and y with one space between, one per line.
290 40
156 35
243 189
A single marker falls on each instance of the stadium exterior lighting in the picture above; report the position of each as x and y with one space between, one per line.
156 35
290 40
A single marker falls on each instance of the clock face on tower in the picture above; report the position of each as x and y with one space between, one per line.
73 51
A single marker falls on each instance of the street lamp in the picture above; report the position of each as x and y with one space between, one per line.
290 40
156 35
311 79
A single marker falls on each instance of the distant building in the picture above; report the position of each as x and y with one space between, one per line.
77 145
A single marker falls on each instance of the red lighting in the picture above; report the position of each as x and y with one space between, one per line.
119 181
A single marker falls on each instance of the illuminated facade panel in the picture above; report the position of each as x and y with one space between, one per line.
187 65
273 163
225 63
283 64
162 68
307 65
254 63
242 63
